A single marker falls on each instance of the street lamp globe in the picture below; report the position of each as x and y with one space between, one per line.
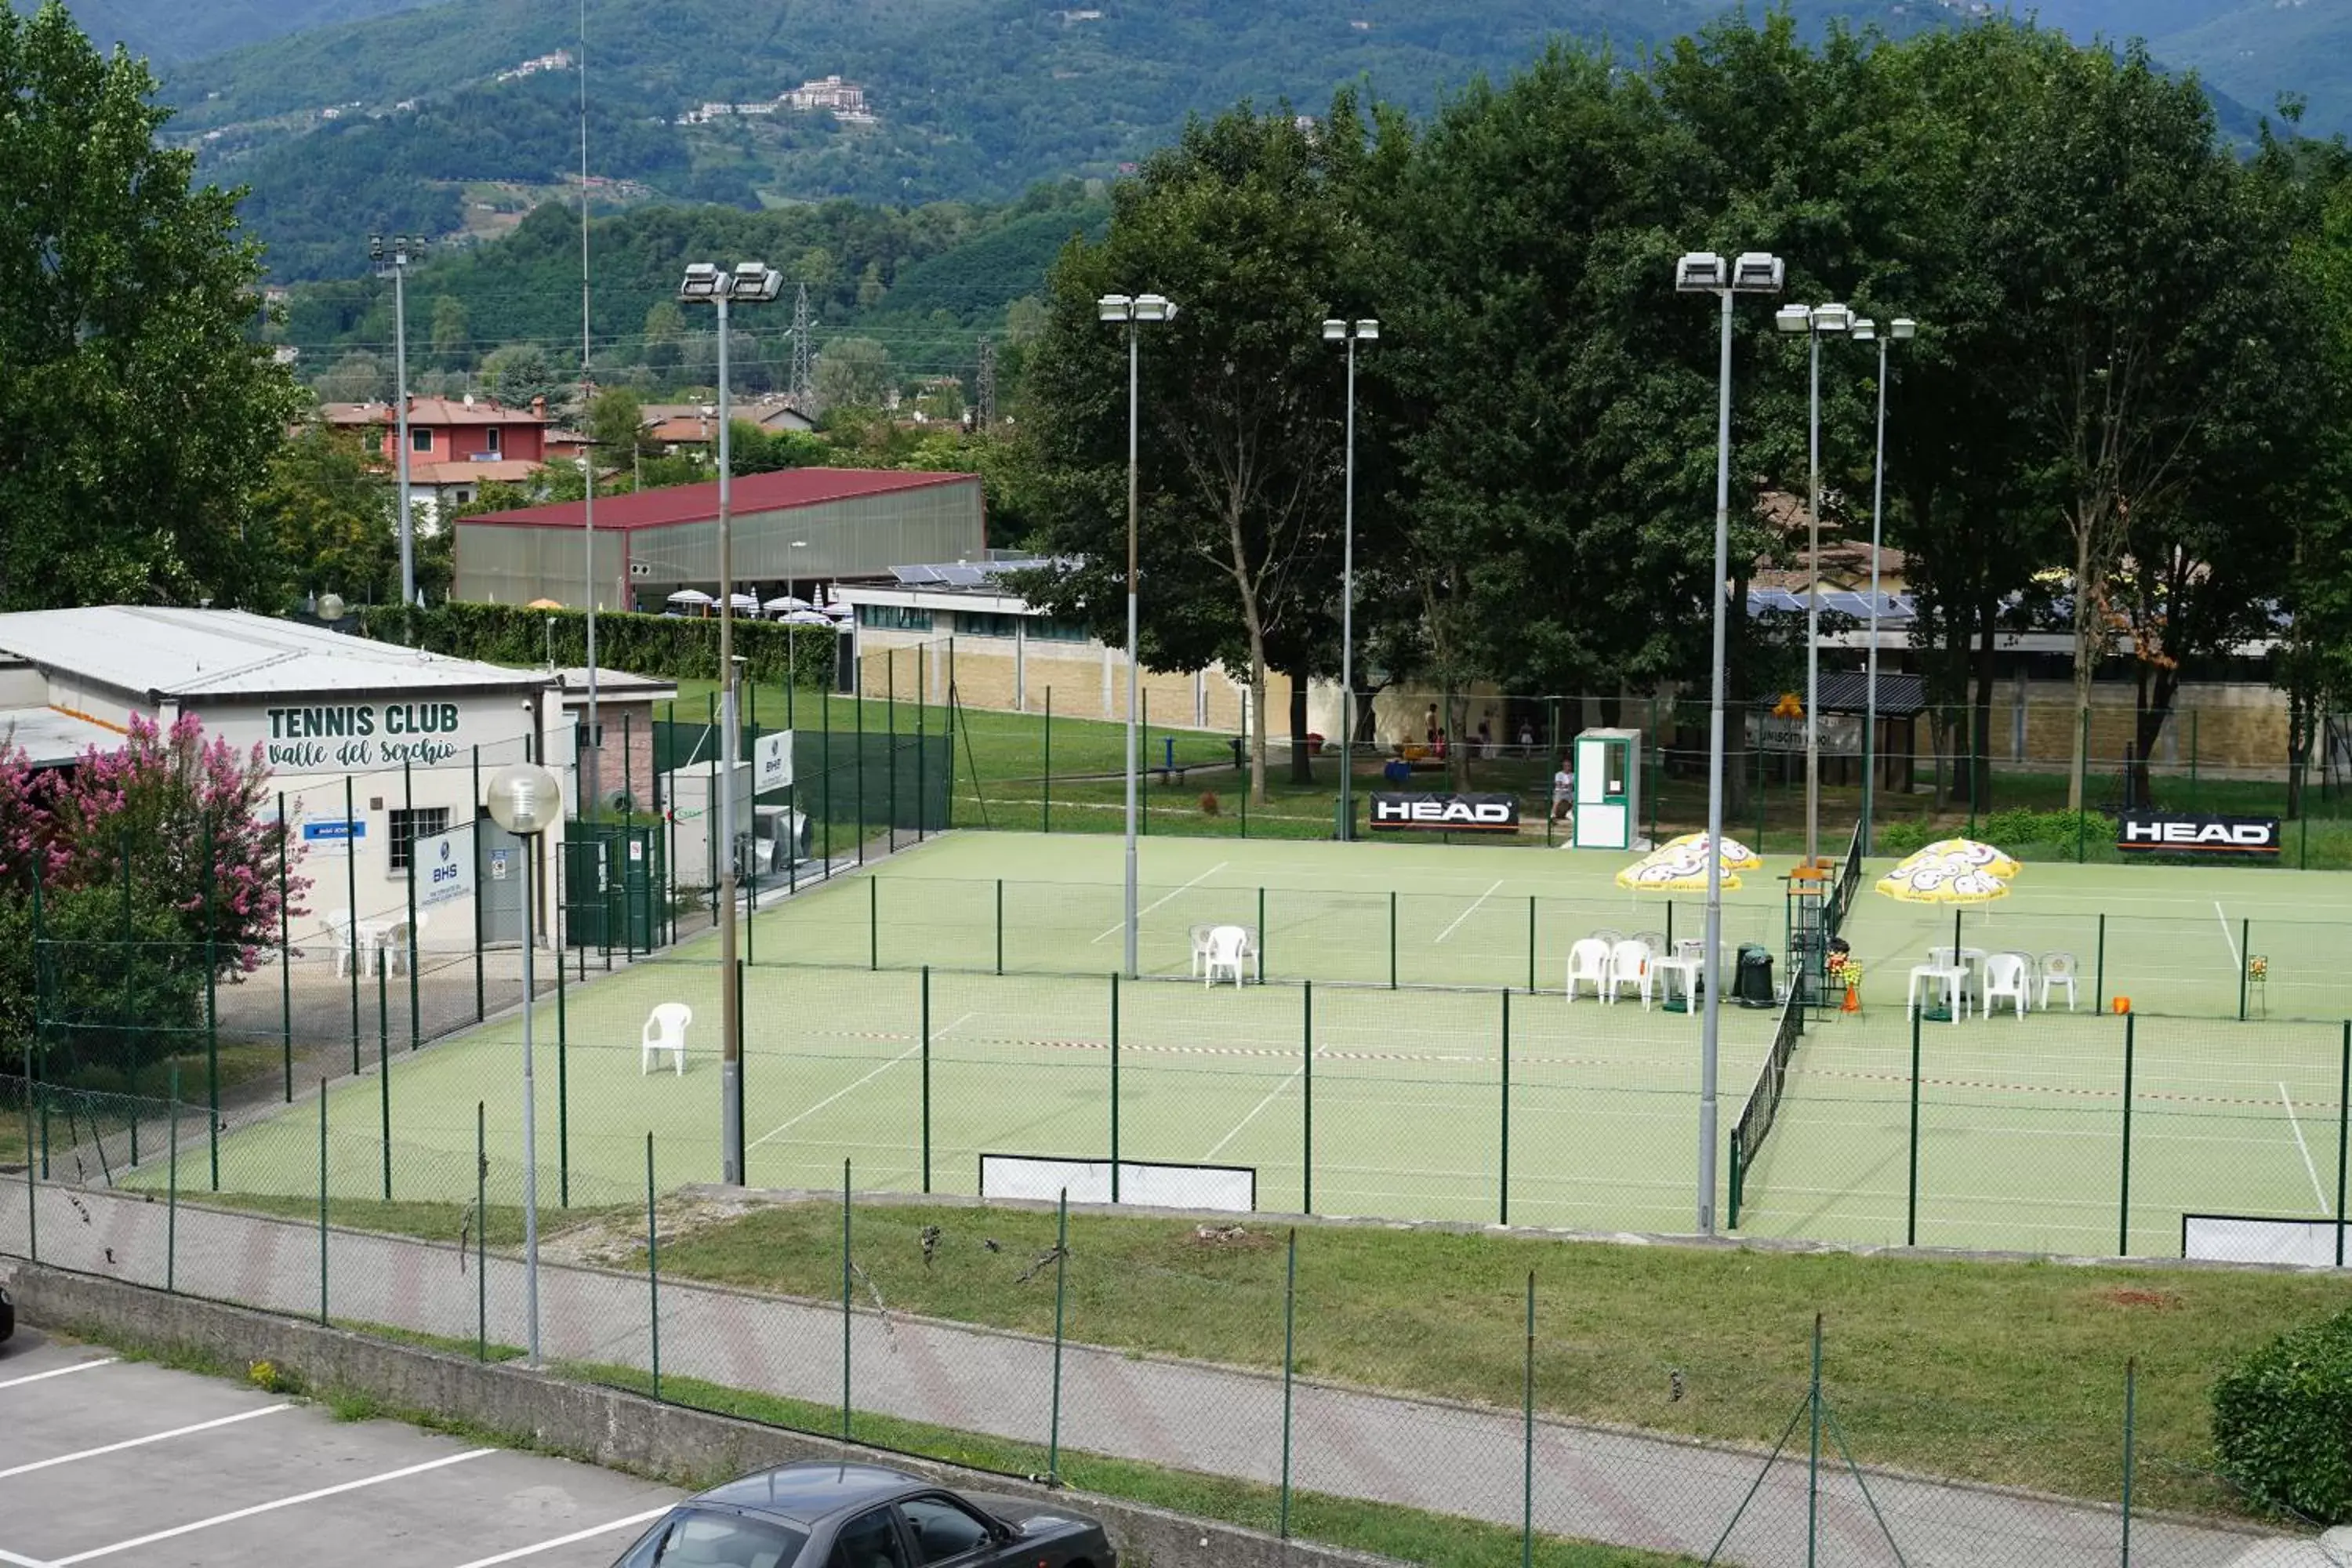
525 799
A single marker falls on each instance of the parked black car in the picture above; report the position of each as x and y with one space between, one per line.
7 1314
819 1515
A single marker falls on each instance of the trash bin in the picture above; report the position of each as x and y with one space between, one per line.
1751 984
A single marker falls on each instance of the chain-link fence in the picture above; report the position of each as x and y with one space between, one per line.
1291 1380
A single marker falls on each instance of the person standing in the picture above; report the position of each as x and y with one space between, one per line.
1563 792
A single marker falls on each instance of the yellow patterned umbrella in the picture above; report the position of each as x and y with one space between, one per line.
1963 853
1944 882
1679 865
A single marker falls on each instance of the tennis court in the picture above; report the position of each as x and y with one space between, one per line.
960 1000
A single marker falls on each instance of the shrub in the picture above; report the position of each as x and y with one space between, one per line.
2007 828
1898 837
2283 1422
676 647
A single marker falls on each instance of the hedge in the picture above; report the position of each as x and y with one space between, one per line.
676 647
2283 1422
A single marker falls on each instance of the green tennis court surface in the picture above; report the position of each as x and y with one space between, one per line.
1456 1095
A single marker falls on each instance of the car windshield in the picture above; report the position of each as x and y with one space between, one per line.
691 1539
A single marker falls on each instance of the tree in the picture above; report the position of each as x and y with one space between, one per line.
517 372
616 424
1244 224
357 377
452 337
136 413
328 519
853 372
665 332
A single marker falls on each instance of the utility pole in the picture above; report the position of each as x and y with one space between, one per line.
803 394
394 264
984 387
592 755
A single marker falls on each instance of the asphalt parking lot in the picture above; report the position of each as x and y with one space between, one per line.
109 1459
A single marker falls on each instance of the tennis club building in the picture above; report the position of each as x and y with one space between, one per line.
379 753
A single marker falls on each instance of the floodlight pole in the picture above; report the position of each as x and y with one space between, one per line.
529 1130
1130 313
397 266
1813 611
1351 332
1901 327
730 1017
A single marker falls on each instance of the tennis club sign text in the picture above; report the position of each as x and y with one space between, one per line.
362 735
2146 834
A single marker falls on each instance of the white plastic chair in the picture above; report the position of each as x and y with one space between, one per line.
2059 969
1629 964
664 1031
1610 935
1228 949
2005 975
1199 947
1588 960
1655 941
400 943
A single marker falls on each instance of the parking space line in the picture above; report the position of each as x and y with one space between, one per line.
60 1371
141 1442
539 1546
233 1517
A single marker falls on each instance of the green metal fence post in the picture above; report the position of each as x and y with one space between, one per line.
408 804
1000 925
1261 929
874 921
1813 1452
322 1199
845 1266
481 1236
922 796
742 1074
1306 1088
1527 1429
1289 1343
927 1078
1911 1205
1143 767
352 909
382 1076
2245 956
212 1010
857 708
1045 802
2131 1445
1503 1171
1392 924
1114 1085
2343 1135
2099 967
1061 1288
890 750
2192 759
1531 944
285 955
653 1267
2123 1205
2082 789
481 996
171 1191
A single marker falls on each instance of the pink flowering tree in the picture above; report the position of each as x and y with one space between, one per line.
157 874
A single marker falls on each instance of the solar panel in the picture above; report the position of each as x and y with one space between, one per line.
963 576
1847 604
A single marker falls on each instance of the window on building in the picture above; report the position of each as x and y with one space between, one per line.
490 436
986 624
894 617
406 826
1057 631
420 438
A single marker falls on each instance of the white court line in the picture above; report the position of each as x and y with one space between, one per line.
231 1518
1245 1121
914 1049
16 1561
2310 1169
1466 914
141 1442
1164 898
61 1371
2236 962
578 1535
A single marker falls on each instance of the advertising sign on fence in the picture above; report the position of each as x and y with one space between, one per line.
332 834
2175 833
772 762
444 867
1424 811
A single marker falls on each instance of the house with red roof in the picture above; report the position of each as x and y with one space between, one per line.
455 445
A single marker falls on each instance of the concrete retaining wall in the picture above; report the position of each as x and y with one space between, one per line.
602 1426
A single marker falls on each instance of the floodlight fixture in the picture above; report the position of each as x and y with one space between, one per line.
755 283
1115 307
1154 307
1832 318
1864 330
1335 331
1903 328
703 282
1701 272
1758 272
1793 318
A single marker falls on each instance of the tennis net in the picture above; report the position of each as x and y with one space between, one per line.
1756 1118
1848 885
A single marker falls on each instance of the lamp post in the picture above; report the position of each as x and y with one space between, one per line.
750 283
394 264
1817 322
1131 313
527 800
1902 328
792 571
1702 272
1351 334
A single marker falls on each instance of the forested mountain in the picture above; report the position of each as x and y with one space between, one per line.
165 30
451 120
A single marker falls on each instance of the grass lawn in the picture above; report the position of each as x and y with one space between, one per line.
2011 1373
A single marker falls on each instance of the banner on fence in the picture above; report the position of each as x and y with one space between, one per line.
2174 833
1423 812
444 865
772 762
1147 1182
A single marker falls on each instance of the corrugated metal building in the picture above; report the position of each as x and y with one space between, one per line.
792 530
